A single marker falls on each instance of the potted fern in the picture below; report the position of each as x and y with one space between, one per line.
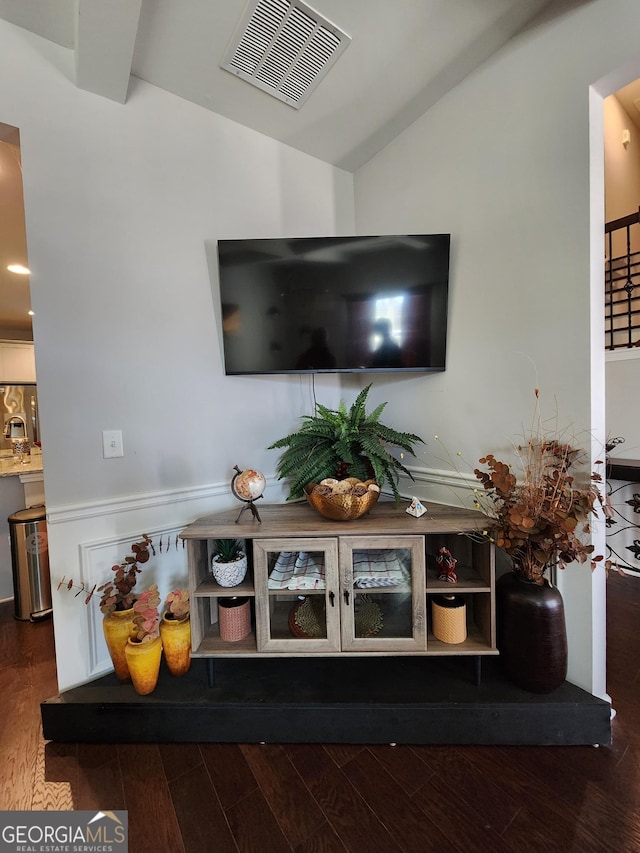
343 443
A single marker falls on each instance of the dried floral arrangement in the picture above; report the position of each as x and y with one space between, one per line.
540 514
118 592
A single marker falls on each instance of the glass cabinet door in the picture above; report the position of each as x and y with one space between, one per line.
382 593
297 604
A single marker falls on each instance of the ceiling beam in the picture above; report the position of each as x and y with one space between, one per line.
105 37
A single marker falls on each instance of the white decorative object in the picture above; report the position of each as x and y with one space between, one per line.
229 574
415 508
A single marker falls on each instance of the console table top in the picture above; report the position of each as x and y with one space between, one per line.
300 519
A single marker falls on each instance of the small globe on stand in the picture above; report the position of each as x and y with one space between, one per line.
248 486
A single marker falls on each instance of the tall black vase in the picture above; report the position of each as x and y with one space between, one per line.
531 633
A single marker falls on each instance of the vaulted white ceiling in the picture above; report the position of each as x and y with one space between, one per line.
403 56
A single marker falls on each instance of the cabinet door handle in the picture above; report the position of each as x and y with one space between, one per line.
346 596
331 599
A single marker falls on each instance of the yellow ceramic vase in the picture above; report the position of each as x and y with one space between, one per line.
117 628
144 664
176 644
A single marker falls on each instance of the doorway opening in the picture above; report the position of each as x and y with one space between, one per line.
15 293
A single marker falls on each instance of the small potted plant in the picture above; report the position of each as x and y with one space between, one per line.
144 646
229 562
175 631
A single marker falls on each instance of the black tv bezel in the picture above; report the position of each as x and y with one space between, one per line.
336 370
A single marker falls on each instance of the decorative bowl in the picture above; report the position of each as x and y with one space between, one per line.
342 500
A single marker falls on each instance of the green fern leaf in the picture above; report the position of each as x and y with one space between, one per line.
325 414
318 429
374 417
359 468
406 440
357 413
318 466
281 442
344 450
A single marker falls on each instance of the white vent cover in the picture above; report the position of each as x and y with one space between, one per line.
285 48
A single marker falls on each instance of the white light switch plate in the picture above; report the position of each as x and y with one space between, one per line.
112 443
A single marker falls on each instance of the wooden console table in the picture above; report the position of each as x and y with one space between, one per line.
328 588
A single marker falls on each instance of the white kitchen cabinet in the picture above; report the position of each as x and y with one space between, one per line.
17 362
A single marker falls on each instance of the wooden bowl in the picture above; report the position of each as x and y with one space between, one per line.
342 506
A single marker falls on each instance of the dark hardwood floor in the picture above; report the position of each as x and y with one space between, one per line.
211 798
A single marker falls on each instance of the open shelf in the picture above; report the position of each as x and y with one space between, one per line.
213 645
209 588
468 581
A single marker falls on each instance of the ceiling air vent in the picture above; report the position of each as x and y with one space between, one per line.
285 48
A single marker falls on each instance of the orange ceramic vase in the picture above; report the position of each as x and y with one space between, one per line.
144 664
117 627
176 644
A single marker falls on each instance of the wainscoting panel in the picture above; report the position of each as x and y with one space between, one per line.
167 567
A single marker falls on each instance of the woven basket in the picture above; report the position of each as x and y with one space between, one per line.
234 615
341 507
449 618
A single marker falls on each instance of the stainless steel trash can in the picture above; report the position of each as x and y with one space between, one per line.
30 559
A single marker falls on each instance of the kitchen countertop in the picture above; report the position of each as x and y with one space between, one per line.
32 465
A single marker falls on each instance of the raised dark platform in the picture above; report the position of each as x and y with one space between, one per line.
329 700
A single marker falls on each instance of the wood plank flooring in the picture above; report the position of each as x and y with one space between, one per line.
308 798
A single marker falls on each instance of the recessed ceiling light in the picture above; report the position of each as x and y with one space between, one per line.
30 313
19 269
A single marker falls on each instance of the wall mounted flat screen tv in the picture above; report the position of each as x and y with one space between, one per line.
334 304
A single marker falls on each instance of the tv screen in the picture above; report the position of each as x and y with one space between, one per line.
334 304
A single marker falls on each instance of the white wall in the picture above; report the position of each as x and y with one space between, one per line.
121 202
503 163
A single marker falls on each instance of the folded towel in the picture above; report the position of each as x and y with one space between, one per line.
298 570
371 568
376 568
